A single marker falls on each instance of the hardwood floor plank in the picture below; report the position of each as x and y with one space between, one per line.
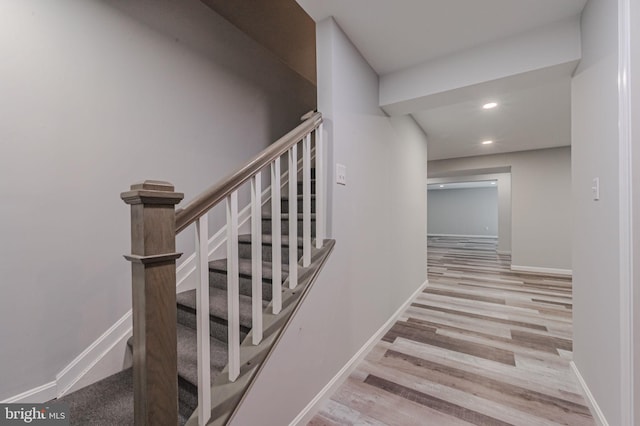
424 334
433 402
480 345
390 408
533 402
482 317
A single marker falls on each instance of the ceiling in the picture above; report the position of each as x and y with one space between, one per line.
397 35
532 118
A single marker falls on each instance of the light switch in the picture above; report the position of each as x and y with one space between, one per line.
595 189
341 174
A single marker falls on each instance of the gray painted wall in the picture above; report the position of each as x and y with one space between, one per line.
635 175
596 238
97 96
540 202
463 211
379 223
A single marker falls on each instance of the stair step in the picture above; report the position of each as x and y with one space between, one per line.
218 276
187 340
188 366
244 247
313 186
284 203
107 402
218 312
266 223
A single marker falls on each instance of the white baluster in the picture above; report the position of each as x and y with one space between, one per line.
320 213
293 212
233 291
306 201
276 237
202 319
256 258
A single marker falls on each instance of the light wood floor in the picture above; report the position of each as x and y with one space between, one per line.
482 345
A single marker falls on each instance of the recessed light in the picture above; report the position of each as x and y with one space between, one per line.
490 105
441 186
487 142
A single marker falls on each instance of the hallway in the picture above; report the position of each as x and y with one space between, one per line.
480 345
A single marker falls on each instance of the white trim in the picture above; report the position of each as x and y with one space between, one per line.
314 405
503 251
596 412
39 394
462 235
541 270
88 359
625 228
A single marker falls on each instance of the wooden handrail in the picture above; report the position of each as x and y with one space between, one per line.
216 193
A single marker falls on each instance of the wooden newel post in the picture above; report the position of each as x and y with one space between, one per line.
153 265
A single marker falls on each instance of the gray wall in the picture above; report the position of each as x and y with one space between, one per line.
596 238
379 223
96 96
540 202
635 175
463 211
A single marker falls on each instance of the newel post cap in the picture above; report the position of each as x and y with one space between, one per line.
152 192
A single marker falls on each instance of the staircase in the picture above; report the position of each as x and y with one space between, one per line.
111 401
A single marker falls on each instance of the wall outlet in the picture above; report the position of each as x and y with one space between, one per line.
341 174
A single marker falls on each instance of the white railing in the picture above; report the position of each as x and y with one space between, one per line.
197 212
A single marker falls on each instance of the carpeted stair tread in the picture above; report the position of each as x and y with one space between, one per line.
104 403
245 267
300 196
188 355
218 304
285 216
267 239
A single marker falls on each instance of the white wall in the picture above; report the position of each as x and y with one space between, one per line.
379 223
97 96
540 202
463 211
596 253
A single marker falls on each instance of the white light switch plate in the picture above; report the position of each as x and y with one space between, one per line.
341 174
595 189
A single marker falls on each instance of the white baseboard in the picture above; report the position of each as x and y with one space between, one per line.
102 347
314 405
462 235
39 394
540 270
83 364
596 412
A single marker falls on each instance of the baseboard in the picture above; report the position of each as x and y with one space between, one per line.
462 236
596 412
40 394
540 270
90 357
314 405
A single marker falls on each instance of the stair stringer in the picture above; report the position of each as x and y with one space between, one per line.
226 396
